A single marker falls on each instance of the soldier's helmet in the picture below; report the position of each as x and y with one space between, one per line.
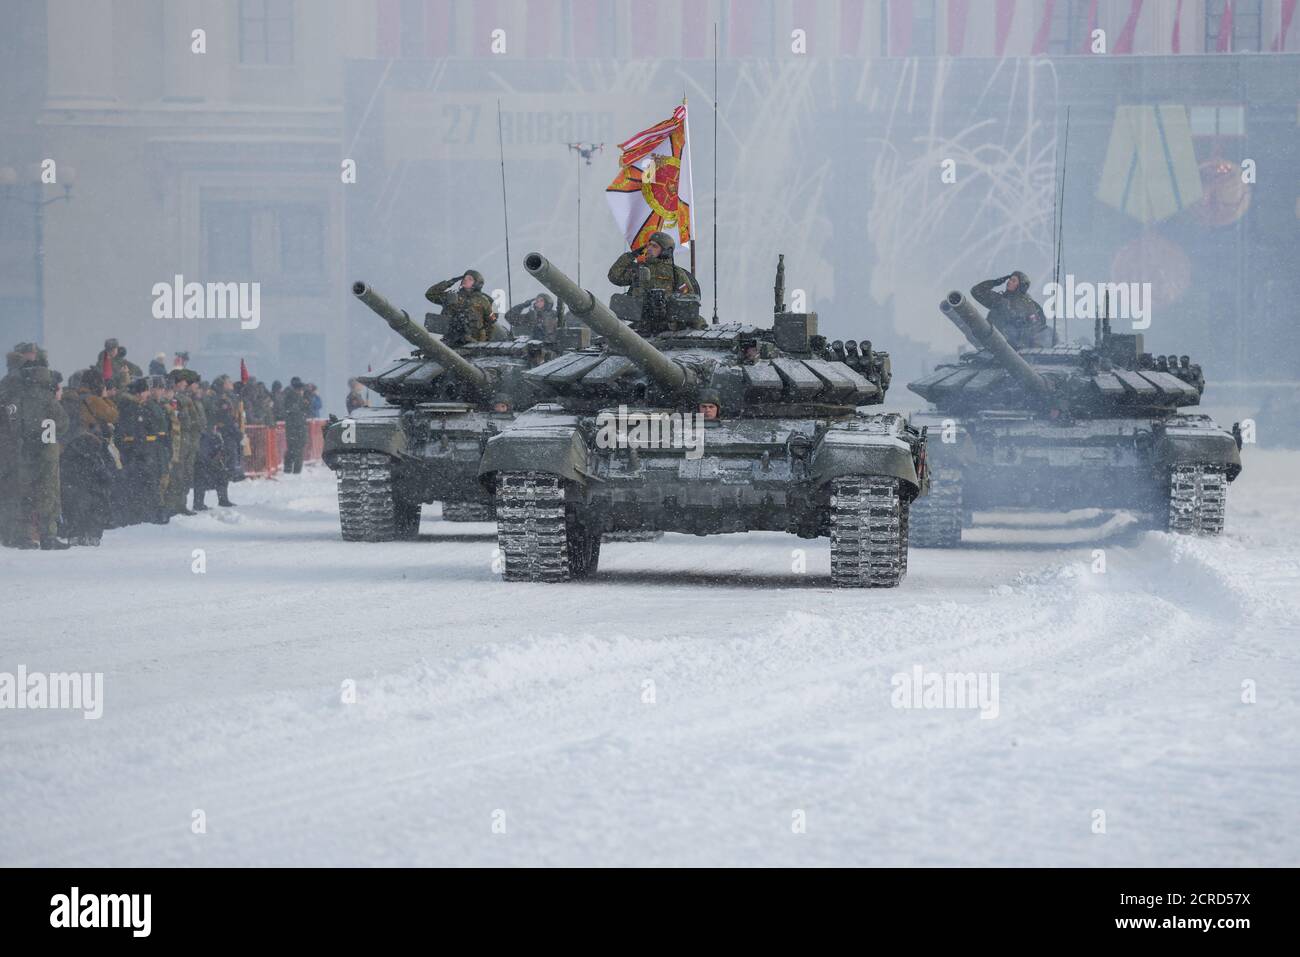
1024 281
477 277
666 242
547 301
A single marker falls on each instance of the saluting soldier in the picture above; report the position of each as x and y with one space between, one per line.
536 319
1013 312
656 257
468 306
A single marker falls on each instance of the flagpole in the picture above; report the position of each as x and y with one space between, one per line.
688 146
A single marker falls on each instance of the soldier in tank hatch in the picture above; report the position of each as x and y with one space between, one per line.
467 305
1013 312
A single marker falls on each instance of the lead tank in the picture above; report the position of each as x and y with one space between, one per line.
1069 427
441 405
617 445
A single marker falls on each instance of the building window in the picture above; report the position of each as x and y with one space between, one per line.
413 35
266 32
1247 25
1217 120
250 241
922 35
1069 30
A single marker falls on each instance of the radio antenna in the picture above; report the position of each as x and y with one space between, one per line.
1059 223
505 209
715 172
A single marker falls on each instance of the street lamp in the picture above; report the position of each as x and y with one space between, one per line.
12 187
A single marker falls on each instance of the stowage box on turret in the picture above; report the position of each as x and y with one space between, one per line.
724 428
1066 427
442 404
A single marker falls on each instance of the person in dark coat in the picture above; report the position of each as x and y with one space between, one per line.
297 408
88 472
211 472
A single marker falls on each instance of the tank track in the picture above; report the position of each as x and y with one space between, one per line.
468 512
937 517
868 532
1197 498
368 510
539 537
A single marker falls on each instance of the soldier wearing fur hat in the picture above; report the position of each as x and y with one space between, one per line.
467 306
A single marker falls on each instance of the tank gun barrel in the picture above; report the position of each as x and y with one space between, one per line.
982 334
596 315
433 348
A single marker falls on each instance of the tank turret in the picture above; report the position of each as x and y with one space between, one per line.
983 335
401 323
585 307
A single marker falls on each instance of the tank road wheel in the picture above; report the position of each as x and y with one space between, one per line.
868 532
1197 497
542 539
937 517
467 512
368 508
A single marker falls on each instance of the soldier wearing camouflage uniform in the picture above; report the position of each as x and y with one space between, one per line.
467 306
536 319
193 423
41 422
1013 312
10 442
656 257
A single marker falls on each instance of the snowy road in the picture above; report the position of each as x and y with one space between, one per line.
693 704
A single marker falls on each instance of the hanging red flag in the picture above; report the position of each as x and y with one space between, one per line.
1224 44
652 191
243 371
106 370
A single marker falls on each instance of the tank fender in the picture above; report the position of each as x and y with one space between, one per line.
369 433
1213 448
841 453
557 448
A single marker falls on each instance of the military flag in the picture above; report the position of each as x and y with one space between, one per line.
652 190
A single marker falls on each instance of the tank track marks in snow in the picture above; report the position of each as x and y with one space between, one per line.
1197 498
368 510
633 535
540 537
868 532
937 517
468 512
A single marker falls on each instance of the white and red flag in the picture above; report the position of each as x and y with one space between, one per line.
652 190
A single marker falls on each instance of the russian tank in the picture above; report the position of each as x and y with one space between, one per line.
441 405
1069 427
792 448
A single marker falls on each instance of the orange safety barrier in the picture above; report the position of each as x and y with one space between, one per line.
315 440
267 450
268 447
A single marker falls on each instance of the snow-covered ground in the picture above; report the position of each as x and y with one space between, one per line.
698 702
